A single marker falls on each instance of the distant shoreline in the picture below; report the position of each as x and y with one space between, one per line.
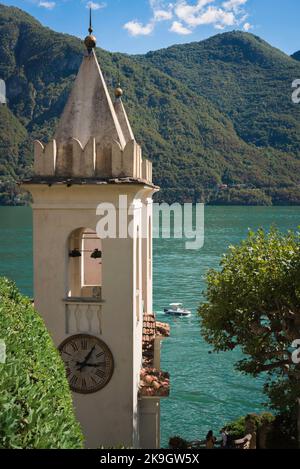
188 201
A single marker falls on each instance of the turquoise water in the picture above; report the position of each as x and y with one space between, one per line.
206 391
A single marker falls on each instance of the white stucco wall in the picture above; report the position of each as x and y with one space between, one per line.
109 417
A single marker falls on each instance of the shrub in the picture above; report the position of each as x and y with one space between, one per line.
36 408
270 431
238 428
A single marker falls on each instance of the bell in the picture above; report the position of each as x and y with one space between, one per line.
75 253
96 254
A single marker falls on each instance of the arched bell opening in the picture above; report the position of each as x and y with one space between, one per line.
85 264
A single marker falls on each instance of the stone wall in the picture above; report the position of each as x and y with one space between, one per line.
95 160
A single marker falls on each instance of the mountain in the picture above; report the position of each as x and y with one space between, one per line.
246 79
13 146
296 55
210 115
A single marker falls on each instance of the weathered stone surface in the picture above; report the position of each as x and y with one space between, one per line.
124 121
89 111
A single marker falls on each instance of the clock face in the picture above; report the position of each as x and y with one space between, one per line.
89 363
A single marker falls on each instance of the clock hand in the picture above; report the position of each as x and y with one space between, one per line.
89 354
84 363
87 357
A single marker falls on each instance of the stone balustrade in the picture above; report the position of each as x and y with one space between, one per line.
83 317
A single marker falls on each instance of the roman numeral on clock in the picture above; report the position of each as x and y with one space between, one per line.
84 344
93 379
74 346
73 380
83 384
100 374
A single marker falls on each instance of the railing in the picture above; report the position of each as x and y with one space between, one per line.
83 315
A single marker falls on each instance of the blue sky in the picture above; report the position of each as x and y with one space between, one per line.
137 26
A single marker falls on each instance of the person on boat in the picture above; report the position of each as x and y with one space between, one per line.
210 440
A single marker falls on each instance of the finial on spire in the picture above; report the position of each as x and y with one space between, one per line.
90 28
118 89
90 41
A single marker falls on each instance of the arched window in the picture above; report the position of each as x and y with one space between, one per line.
85 264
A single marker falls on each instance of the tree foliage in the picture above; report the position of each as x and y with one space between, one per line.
253 302
36 409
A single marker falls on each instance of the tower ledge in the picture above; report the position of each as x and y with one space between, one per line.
52 181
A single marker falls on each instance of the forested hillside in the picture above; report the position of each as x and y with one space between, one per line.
215 117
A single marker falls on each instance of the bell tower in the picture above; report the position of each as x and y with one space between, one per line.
93 285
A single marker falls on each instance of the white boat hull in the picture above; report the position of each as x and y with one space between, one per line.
178 313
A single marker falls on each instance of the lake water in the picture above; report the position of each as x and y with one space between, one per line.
206 391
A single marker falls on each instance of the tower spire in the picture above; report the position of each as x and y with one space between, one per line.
90 28
90 41
121 112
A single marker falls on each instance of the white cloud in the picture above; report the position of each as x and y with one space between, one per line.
162 15
47 5
219 26
95 6
160 12
135 28
187 15
215 15
247 26
234 5
198 15
178 28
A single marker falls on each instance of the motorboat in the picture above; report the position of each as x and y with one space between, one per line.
177 309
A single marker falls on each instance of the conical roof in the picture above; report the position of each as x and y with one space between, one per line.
123 120
89 111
